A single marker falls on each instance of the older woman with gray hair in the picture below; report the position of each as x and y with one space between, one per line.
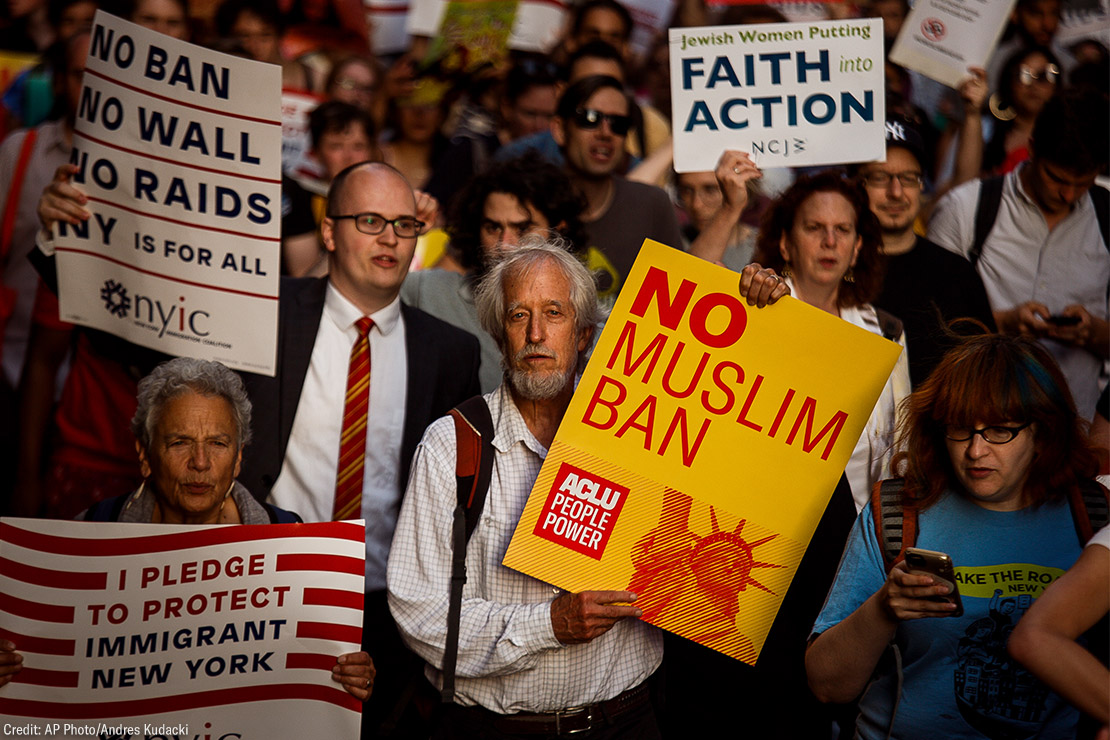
191 425
192 422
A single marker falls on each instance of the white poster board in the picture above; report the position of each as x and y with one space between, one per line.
386 20
148 630
942 38
179 151
789 94
649 20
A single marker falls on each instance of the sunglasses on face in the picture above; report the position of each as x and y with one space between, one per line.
589 118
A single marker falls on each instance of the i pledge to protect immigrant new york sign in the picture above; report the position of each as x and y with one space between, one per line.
179 150
699 451
148 631
789 94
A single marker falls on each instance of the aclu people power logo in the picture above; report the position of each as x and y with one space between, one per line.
581 511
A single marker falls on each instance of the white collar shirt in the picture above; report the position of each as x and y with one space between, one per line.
509 659
306 483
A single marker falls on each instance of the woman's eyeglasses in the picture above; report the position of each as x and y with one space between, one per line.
997 435
1027 76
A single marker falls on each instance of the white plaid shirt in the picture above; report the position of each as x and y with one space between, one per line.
509 660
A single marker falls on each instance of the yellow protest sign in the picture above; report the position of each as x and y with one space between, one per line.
699 451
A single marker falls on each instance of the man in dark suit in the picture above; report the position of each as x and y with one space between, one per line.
418 369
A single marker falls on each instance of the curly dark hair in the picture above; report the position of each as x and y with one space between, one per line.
530 179
993 379
778 221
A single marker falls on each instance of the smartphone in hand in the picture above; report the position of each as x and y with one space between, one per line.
938 565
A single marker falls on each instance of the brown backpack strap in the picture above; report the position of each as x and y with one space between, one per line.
473 470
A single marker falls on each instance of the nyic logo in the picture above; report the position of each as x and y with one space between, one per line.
174 319
115 298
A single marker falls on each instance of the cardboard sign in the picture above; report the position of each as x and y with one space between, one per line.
699 451
788 94
942 39
179 151
148 630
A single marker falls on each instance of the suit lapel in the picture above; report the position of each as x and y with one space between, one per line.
420 393
302 322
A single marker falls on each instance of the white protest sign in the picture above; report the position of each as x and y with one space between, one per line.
941 38
386 21
649 19
179 150
296 139
789 94
158 631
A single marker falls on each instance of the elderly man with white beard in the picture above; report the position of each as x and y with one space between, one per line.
531 658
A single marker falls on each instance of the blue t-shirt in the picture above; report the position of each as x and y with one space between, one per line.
958 679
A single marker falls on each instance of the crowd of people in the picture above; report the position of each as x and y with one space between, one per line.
522 188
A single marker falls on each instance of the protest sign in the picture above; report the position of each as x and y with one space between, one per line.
649 20
789 94
473 34
386 19
148 630
699 451
536 27
942 38
179 151
296 140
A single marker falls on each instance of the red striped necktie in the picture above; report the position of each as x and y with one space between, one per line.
352 440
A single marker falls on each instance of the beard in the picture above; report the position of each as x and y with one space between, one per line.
538 385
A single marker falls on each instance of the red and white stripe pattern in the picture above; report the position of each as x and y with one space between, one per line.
352 440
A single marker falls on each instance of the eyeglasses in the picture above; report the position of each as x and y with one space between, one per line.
994 435
589 118
1027 76
405 227
882 179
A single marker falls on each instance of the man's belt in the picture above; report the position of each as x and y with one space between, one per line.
568 721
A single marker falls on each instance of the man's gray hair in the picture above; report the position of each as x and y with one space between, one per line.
531 252
179 376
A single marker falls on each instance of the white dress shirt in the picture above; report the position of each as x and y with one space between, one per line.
1024 260
306 483
509 659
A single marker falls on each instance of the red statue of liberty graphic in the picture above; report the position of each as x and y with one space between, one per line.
678 570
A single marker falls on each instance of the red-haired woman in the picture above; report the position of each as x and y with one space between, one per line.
991 450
